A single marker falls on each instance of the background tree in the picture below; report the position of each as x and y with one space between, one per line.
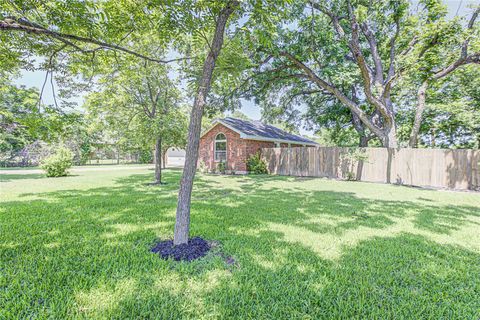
445 47
335 48
352 52
20 118
25 120
142 105
451 118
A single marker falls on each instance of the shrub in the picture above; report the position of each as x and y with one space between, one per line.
256 165
350 176
221 167
57 164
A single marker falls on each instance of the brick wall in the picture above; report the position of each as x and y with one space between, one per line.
235 149
253 146
238 150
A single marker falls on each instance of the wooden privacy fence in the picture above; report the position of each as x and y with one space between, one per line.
438 168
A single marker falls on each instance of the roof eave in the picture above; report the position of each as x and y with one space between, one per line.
217 121
259 138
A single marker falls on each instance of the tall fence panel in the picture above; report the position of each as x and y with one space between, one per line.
439 168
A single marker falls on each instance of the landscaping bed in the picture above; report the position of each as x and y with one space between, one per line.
194 249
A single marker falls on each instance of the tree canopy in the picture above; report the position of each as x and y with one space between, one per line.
355 55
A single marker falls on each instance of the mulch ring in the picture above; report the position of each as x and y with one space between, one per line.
194 249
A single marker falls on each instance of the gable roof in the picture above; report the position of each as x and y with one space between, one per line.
256 130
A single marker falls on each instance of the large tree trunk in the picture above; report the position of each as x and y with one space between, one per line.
360 128
390 138
421 96
158 161
182 223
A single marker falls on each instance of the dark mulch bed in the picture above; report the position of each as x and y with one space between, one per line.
149 184
194 249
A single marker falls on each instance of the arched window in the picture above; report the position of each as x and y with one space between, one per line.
220 148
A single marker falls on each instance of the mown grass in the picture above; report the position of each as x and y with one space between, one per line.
78 247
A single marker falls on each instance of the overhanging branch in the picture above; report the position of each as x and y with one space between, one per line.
354 108
26 26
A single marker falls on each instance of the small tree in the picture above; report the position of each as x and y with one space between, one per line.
141 106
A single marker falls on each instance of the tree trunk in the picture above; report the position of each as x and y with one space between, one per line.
388 134
433 144
363 143
158 161
360 128
164 158
390 138
421 96
182 223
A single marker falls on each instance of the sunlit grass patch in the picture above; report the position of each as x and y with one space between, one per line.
103 298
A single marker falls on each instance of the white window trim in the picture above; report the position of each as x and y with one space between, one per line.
215 147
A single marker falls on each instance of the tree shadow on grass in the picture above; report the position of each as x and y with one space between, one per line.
318 254
400 277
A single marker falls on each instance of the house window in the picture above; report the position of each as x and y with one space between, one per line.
277 144
220 148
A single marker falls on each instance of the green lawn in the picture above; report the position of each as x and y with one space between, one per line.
78 247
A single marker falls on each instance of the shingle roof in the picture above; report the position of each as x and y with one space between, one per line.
260 131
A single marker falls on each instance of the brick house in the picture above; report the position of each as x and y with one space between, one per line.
232 141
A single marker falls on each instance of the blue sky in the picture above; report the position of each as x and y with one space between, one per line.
36 78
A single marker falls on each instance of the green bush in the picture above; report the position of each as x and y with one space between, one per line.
256 165
221 167
350 176
57 164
